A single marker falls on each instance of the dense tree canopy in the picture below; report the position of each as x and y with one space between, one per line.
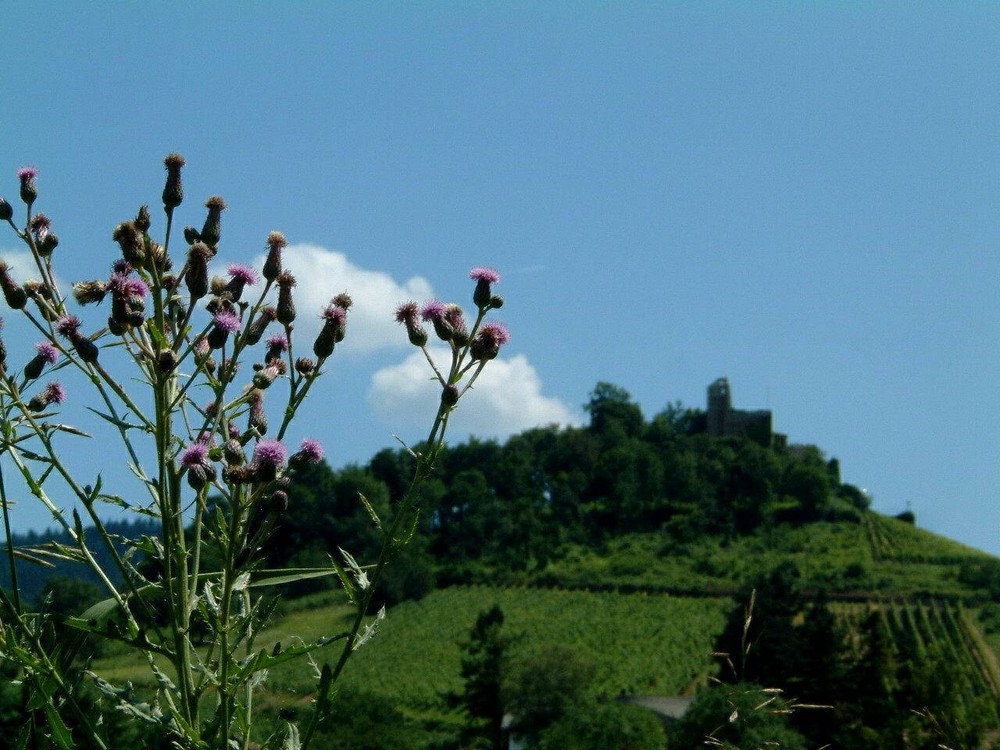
498 508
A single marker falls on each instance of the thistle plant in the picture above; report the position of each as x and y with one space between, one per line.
169 379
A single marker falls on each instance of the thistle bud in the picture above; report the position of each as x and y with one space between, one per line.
264 377
157 254
488 341
483 277
460 331
117 327
47 355
257 421
29 190
16 297
256 329
142 221
240 276
238 474
200 476
88 292
272 265
435 312
233 452
409 315
196 275
191 235
130 240
211 232
42 295
276 346
6 210
305 366
34 368
286 306
417 335
496 302
166 360
53 393
224 324
332 332
173 191
48 244
278 502
85 348
449 395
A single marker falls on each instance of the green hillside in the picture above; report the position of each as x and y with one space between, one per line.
647 618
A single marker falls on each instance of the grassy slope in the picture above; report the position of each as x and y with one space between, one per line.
881 556
647 641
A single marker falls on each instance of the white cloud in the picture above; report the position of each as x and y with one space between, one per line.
506 399
320 274
22 267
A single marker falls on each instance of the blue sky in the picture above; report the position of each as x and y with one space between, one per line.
801 197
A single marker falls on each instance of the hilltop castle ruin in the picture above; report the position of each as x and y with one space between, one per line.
723 420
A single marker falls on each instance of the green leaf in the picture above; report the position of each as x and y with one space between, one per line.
100 611
264 660
157 335
120 423
289 575
292 741
371 511
60 732
70 429
21 743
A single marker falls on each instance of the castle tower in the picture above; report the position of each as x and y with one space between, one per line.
719 407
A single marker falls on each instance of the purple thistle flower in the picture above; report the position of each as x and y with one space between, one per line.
407 313
272 264
483 295
40 225
29 191
47 352
136 288
309 452
270 454
68 325
123 285
433 310
54 393
495 332
483 273
227 321
240 276
335 314
242 273
195 454
486 345
278 343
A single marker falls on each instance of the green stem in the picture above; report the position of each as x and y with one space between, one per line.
15 588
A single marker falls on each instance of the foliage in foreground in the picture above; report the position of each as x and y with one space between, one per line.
206 441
